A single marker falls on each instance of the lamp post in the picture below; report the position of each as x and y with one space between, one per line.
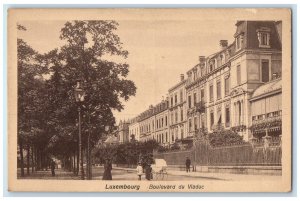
79 97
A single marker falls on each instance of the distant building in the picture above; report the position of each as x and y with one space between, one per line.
161 124
134 128
123 131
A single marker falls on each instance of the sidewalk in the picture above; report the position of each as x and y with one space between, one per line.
43 174
213 175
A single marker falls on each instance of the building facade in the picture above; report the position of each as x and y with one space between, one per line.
161 124
177 112
123 131
134 128
224 90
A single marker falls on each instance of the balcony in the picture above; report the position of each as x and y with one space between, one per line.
266 124
200 107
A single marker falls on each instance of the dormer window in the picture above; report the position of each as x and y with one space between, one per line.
263 35
239 41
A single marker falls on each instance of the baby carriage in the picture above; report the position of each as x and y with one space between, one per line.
159 169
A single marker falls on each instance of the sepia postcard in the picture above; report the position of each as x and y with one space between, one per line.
149 100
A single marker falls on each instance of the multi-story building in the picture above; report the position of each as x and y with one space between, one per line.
227 90
123 131
145 122
233 73
177 112
196 93
134 128
161 124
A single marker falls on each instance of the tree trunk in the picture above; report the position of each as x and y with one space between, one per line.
77 172
90 163
74 163
28 160
87 164
35 159
32 159
21 158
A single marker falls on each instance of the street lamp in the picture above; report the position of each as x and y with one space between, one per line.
79 97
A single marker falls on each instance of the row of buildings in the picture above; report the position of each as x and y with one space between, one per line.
237 88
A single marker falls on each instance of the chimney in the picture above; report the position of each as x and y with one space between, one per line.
201 59
223 44
181 77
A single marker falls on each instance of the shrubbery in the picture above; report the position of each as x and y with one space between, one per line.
129 153
224 138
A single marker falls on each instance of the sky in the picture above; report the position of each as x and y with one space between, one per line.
159 51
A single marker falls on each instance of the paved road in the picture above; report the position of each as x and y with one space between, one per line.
127 174
59 175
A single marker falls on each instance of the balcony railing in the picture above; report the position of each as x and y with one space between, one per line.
200 107
263 124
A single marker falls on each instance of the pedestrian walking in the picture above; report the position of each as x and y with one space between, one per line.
53 164
148 171
187 164
107 170
139 170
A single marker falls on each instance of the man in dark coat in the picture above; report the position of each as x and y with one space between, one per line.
53 168
148 171
107 170
187 164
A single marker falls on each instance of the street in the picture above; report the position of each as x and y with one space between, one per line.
130 174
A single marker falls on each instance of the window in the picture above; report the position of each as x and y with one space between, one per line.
181 132
190 101
264 37
218 89
171 101
202 95
190 125
202 121
227 117
219 116
211 93
195 99
162 122
239 113
181 96
265 70
211 119
166 121
181 114
227 86
176 116
171 117
238 74
195 123
175 99
166 137
276 114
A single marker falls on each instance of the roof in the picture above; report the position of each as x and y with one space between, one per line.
267 89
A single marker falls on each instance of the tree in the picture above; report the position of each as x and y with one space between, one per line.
85 55
30 88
